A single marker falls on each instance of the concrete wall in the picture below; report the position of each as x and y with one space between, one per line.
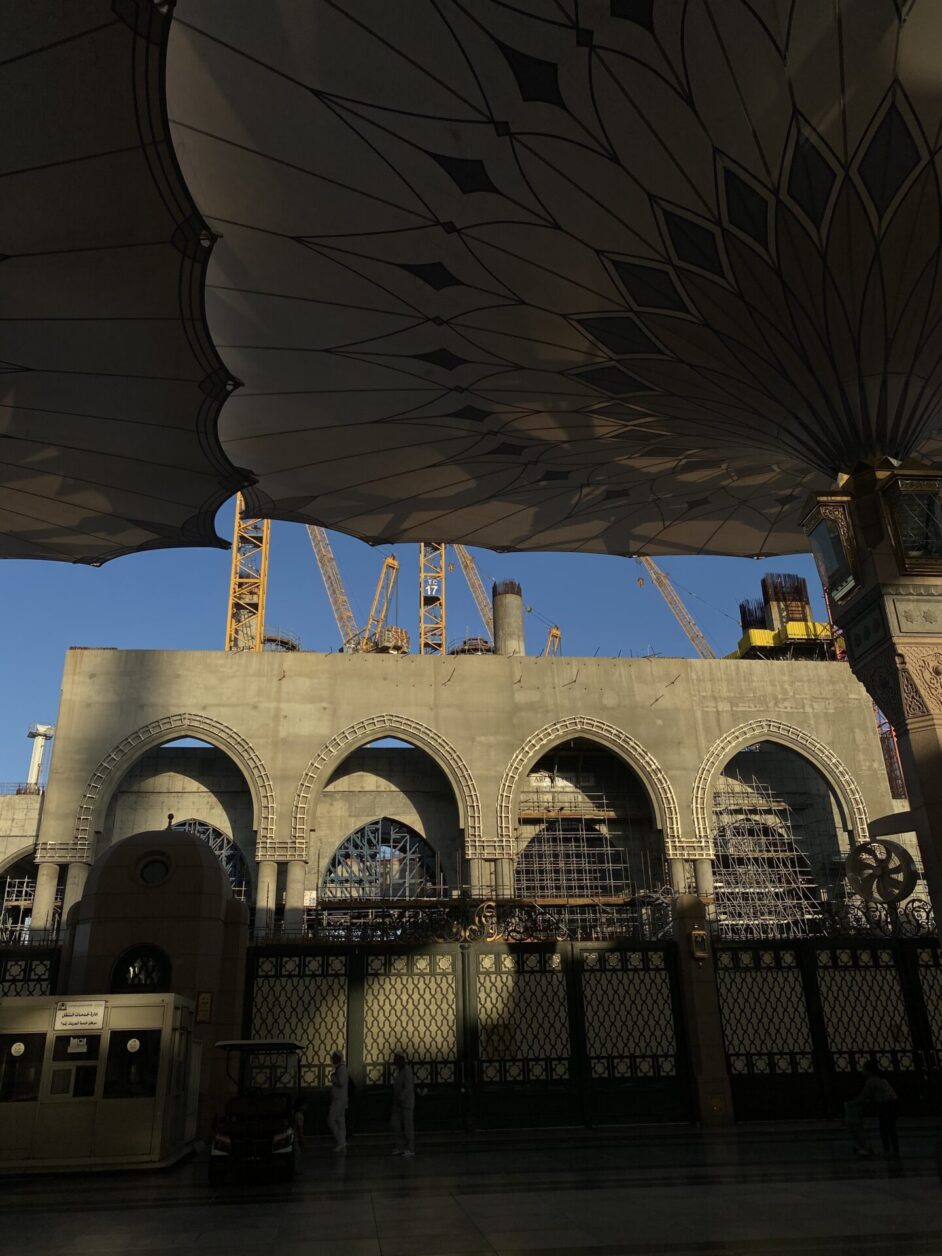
285 710
19 825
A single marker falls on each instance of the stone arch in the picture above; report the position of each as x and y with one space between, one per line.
660 790
824 759
318 771
102 782
9 860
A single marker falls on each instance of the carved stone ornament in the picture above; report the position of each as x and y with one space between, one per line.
924 670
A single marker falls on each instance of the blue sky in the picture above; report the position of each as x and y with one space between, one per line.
176 600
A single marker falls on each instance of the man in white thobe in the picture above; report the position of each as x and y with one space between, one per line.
339 1097
403 1108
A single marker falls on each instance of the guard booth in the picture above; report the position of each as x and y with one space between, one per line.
96 1082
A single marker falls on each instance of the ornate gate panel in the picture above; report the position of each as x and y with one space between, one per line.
863 1007
409 1002
303 997
767 1033
524 1067
634 1065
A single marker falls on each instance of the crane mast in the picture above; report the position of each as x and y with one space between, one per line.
336 593
481 600
431 599
245 619
681 614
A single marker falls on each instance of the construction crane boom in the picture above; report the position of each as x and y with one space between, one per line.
245 619
681 614
381 598
481 600
553 638
336 593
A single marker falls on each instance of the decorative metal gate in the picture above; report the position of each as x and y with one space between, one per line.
801 1018
497 1034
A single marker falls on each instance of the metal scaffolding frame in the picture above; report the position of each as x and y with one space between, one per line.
225 850
383 860
762 879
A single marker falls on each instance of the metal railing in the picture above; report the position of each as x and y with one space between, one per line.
21 787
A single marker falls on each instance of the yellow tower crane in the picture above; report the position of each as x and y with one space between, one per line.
245 620
553 639
681 614
481 600
336 593
375 635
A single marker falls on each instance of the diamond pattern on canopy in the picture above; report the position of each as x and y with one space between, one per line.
625 276
110 383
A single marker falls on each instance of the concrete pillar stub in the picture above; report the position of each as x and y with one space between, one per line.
705 1044
75 880
296 872
44 899
266 895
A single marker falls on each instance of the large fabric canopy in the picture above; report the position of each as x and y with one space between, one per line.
614 275
109 383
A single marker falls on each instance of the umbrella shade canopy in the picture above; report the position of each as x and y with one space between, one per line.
631 276
110 383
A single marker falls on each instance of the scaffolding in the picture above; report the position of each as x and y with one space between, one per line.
762 879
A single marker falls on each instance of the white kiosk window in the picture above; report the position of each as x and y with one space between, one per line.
133 1064
75 1065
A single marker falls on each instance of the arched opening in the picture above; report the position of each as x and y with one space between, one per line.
382 859
17 890
388 827
779 841
588 845
225 850
190 778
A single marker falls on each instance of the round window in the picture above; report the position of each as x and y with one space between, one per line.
153 871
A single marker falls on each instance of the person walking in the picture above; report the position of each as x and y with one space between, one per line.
339 1098
878 1091
403 1108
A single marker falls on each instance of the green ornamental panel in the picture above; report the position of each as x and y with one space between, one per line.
410 1004
763 1009
304 998
864 1012
523 1018
629 1015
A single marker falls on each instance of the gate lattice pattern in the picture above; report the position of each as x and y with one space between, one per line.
763 1010
411 1005
864 1012
304 998
930 980
629 1015
23 975
523 1018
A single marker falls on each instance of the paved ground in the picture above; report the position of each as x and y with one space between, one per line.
664 1191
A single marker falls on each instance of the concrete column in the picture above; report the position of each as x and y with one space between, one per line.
504 878
294 895
705 1045
508 619
74 886
44 900
476 877
265 897
679 875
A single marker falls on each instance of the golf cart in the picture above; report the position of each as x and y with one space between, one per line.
260 1128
